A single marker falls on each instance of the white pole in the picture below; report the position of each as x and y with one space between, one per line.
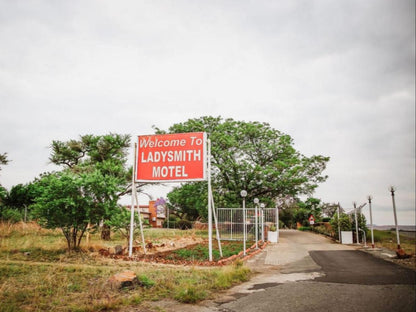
277 222
395 217
256 201
140 221
231 213
339 228
356 223
216 226
132 208
371 221
209 202
131 223
244 228
262 222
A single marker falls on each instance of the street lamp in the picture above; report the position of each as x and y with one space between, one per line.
262 221
371 221
392 190
339 228
243 194
277 219
356 222
256 202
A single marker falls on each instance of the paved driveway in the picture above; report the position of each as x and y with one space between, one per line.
308 272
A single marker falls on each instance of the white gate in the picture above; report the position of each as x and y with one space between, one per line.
231 225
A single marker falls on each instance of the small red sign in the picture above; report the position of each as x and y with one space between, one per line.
311 220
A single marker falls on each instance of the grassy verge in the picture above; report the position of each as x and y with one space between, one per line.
38 274
388 240
200 252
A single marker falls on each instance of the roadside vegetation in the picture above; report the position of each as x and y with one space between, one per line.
38 273
388 240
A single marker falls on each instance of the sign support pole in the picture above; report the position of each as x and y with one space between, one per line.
209 201
133 197
216 226
133 186
140 220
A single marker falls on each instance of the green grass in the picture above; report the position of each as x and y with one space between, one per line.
200 252
51 279
388 239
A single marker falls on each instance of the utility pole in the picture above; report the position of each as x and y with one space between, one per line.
392 190
356 223
371 221
243 194
339 228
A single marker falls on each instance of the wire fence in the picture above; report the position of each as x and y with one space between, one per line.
231 224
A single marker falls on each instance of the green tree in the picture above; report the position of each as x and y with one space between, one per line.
311 206
3 159
71 201
189 201
18 199
3 191
255 157
3 195
106 154
362 224
120 222
345 223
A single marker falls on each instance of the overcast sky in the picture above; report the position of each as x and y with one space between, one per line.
337 76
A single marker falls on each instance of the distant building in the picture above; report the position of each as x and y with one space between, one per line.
154 212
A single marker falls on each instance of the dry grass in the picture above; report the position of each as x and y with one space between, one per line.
38 274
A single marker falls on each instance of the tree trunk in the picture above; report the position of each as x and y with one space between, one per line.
105 232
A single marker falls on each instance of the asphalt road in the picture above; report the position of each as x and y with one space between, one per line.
349 280
306 272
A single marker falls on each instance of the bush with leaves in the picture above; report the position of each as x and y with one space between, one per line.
120 222
72 201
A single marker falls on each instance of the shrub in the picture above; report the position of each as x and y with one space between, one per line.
145 281
185 225
191 295
11 215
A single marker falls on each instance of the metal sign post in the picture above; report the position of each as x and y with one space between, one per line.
176 157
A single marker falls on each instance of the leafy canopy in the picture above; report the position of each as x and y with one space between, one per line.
86 191
3 159
249 156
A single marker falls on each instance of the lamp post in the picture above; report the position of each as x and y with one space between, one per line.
371 220
256 202
392 190
339 228
277 219
243 194
356 223
262 221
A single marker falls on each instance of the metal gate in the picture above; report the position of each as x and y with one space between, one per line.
231 225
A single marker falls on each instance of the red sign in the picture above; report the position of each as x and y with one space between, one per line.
311 220
171 157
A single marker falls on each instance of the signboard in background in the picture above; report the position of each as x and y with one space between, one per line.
174 157
311 220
